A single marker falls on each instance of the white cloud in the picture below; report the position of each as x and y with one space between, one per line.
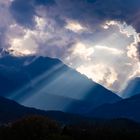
24 46
107 63
74 26
128 31
83 51
99 73
111 78
40 23
93 72
109 49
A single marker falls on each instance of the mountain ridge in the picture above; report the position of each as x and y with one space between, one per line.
132 88
11 111
29 80
126 108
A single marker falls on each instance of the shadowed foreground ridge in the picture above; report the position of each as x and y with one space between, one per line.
23 123
42 128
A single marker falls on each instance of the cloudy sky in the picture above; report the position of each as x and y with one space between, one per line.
98 38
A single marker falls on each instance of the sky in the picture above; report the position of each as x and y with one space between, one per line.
98 38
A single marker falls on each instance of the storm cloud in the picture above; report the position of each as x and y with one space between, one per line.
88 12
24 12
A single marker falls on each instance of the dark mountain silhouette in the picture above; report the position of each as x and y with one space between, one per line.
127 108
20 122
133 88
42 128
32 80
11 111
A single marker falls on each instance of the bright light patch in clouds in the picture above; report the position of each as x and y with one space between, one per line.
104 62
26 46
74 26
109 50
111 78
82 50
128 31
98 73
92 72
136 72
40 22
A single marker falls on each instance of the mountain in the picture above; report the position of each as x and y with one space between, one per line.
11 111
48 84
127 108
133 88
23 122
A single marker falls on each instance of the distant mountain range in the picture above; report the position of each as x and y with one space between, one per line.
127 108
133 88
20 122
48 84
11 111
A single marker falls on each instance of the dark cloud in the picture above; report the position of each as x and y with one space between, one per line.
44 2
122 10
94 12
138 50
24 11
2 37
88 12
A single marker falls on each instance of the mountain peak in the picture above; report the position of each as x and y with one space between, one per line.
132 88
